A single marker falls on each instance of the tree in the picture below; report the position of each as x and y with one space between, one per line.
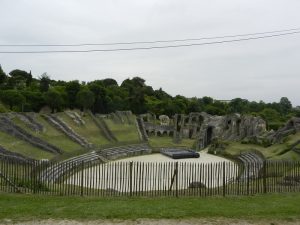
3 76
44 82
238 105
272 118
53 99
285 105
85 98
19 79
13 98
109 82
72 88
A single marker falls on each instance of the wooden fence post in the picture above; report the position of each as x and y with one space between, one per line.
224 180
82 177
176 174
130 177
265 176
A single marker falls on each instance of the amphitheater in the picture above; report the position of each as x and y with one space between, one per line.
122 153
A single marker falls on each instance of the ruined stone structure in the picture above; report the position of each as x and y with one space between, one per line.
233 127
291 127
205 128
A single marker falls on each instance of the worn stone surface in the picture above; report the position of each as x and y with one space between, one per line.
291 127
205 128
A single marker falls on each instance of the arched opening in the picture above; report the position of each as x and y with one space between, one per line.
238 124
190 133
209 133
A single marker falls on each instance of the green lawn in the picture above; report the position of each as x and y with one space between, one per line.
17 145
89 131
123 132
17 207
53 136
157 142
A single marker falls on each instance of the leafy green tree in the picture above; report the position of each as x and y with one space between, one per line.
3 76
272 117
72 88
285 105
19 79
85 98
13 98
109 82
44 82
34 100
53 99
238 105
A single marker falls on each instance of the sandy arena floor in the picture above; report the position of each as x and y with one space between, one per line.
115 175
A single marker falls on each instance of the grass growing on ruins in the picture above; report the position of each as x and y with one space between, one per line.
3 109
163 142
89 131
123 132
277 151
17 145
52 135
18 207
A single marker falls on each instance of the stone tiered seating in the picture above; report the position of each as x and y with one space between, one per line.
61 125
100 123
253 163
125 151
10 128
54 172
30 121
14 156
141 129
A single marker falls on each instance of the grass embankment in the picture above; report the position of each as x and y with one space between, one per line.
53 136
89 130
275 152
17 145
123 132
28 207
164 142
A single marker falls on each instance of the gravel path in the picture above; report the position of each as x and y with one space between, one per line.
220 221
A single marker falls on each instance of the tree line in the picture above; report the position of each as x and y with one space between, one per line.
20 91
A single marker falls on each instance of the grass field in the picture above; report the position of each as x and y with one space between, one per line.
123 132
53 136
89 131
157 142
17 145
18 207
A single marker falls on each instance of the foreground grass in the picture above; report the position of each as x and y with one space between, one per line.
27 207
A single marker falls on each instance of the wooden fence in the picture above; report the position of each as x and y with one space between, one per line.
149 179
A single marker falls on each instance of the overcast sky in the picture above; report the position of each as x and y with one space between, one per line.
256 70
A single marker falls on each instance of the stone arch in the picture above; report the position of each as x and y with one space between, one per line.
238 125
209 135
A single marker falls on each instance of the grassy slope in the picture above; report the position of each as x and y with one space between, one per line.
89 131
16 145
123 132
53 136
28 207
164 141
3 109
276 151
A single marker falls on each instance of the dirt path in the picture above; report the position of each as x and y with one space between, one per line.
219 221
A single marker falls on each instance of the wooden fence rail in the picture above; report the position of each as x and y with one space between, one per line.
149 179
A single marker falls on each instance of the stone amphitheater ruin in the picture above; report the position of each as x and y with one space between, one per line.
203 129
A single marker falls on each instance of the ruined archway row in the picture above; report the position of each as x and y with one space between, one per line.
204 127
